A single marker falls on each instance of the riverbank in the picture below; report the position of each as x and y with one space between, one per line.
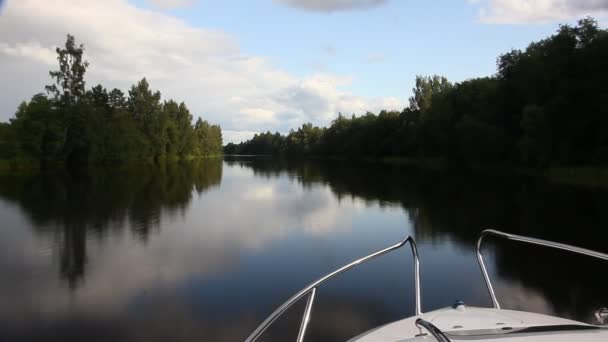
582 176
26 165
586 176
12 165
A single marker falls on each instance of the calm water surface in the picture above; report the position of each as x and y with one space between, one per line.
204 251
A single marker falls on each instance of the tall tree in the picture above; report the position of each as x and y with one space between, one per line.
145 106
69 84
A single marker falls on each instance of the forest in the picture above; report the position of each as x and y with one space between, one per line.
72 125
546 105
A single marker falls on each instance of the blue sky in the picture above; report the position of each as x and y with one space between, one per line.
383 47
272 65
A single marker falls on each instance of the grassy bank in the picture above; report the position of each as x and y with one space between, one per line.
12 165
435 164
588 176
24 165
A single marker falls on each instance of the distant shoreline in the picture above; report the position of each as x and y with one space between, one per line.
577 175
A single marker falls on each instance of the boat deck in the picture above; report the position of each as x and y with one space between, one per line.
486 324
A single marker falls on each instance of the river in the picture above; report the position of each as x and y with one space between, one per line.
204 251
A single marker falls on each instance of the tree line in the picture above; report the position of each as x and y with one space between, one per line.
546 105
76 125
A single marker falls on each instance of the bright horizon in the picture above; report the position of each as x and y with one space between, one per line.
272 64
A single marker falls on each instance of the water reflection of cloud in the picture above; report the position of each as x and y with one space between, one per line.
260 193
515 296
258 211
218 229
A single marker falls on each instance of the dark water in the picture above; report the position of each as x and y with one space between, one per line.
204 251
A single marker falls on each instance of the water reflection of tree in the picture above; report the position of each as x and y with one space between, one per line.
457 206
72 208
456 203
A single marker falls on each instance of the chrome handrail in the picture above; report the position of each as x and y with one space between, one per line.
312 289
306 317
530 240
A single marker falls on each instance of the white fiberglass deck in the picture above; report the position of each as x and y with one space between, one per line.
484 324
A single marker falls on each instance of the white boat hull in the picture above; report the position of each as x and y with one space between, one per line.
484 324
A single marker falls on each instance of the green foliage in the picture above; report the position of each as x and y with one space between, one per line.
8 141
426 88
532 143
546 106
70 84
40 129
79 126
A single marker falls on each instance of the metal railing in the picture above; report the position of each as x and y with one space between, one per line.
529 240
312 290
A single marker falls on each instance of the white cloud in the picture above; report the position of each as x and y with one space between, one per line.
258 114
203 67
171 4
321 98
33 51
537 11
332 5
236 136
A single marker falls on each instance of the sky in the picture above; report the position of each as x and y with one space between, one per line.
259 65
